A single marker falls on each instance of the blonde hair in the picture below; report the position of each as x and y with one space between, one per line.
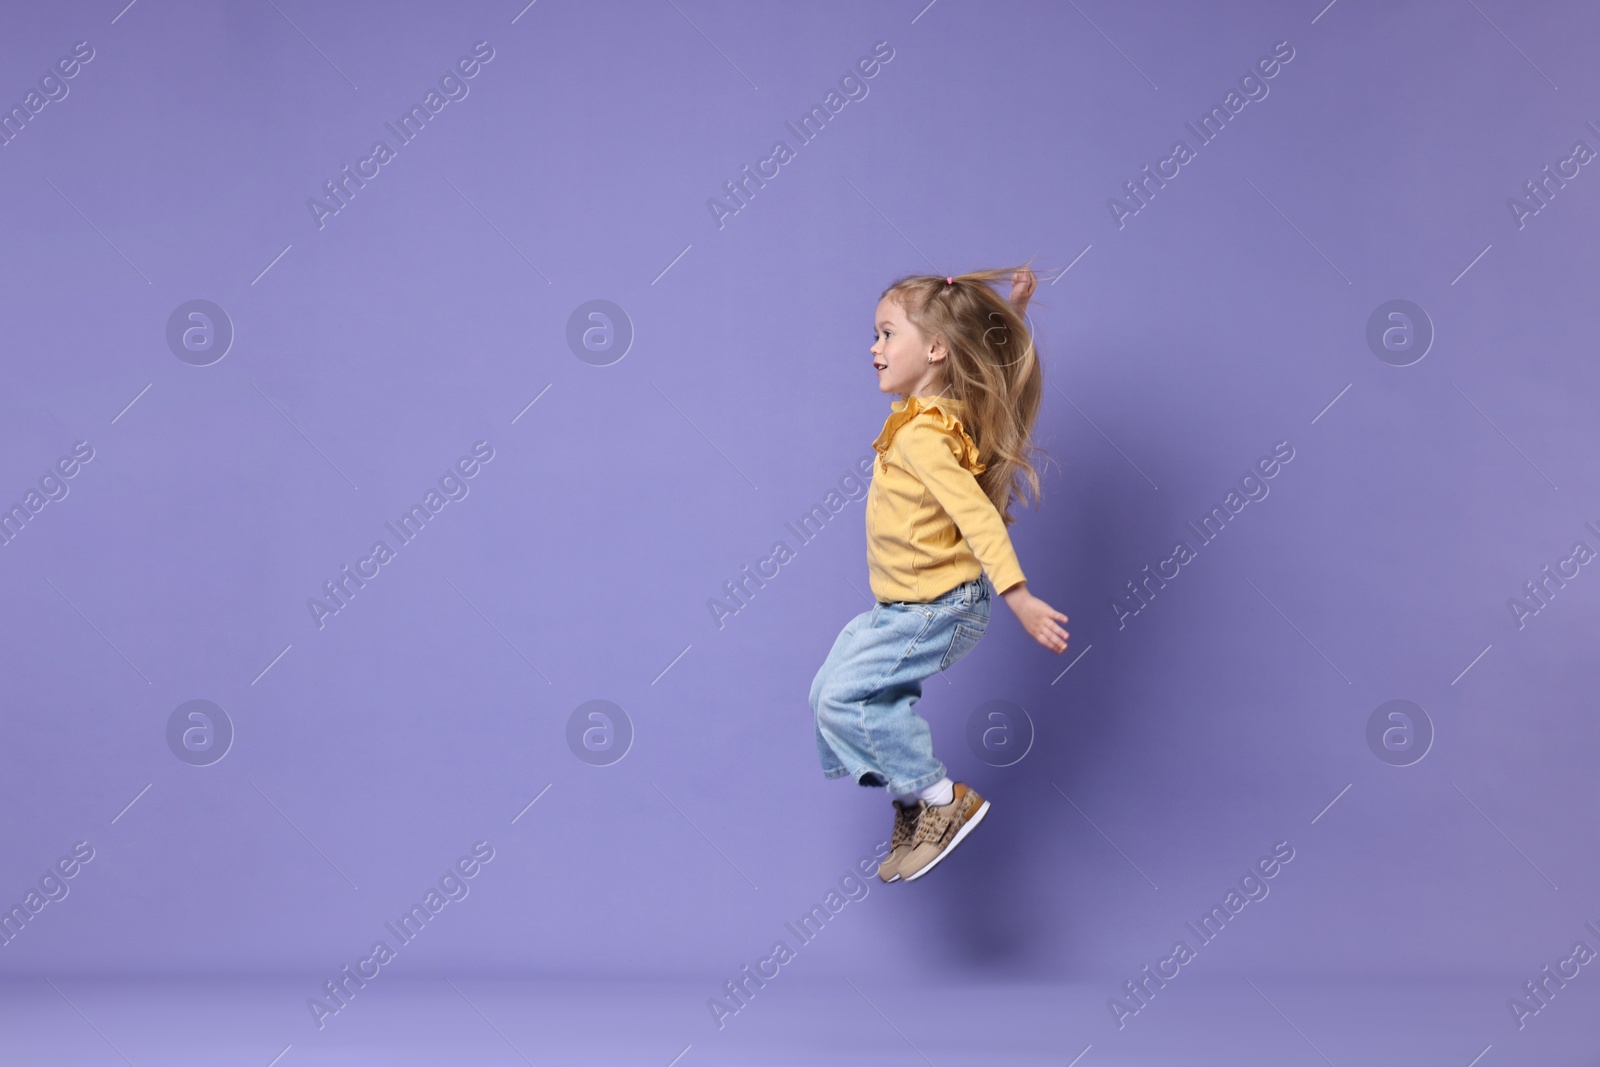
992 368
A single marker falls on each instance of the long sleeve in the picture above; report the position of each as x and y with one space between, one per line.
933 456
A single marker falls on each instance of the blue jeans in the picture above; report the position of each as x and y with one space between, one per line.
863 694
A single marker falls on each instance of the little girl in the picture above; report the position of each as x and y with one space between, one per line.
963 362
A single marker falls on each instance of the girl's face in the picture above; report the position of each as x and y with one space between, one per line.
900 354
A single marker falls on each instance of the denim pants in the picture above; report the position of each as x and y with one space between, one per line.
863 694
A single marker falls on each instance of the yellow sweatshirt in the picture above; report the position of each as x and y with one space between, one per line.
929 525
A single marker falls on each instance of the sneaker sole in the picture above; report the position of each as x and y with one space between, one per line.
896 877
966 828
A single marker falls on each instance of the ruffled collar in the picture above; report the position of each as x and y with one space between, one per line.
945 410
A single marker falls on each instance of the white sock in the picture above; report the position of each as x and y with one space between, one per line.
940 792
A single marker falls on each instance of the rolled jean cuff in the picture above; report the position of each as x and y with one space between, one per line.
863 696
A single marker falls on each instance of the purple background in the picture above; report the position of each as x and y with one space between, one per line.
433 309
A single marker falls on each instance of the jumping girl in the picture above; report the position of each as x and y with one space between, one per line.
962 360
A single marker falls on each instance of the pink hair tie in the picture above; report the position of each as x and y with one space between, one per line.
949 281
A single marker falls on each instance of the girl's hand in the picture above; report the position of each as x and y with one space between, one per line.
1022 285
1037 617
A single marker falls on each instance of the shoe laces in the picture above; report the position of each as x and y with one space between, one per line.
905 826
935 825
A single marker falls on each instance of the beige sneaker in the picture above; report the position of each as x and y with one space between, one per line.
900 842
941 829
